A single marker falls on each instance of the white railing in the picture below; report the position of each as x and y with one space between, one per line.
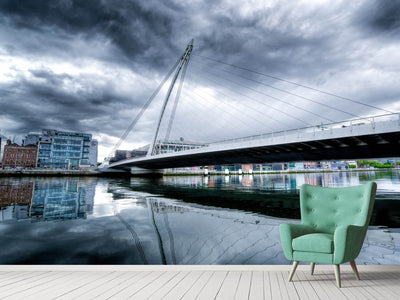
313 129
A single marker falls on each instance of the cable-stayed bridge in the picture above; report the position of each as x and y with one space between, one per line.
301 126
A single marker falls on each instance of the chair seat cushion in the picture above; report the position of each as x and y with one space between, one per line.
314 242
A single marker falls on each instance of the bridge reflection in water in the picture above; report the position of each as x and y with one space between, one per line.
174 220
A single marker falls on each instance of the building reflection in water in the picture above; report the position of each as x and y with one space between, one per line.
287 182
47 199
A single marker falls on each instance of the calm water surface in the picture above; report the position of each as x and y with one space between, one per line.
174 220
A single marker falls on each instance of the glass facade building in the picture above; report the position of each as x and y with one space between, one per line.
63 150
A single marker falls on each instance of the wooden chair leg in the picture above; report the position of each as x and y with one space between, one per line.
294 267
337 275
354 267
312 268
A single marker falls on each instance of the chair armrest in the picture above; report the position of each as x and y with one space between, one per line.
289 232
348 241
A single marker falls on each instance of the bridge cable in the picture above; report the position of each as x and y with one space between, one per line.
215 106
275 98
142 110
262 102
299 96
226 112
241 111
297 84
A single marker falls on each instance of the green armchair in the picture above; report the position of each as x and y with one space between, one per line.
334 223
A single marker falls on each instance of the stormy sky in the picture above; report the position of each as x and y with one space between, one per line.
89 66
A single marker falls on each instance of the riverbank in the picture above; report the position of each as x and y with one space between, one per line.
37 172
213 172
168 172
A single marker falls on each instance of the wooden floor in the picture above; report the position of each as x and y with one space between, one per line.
195 282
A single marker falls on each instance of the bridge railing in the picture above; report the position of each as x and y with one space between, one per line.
371 121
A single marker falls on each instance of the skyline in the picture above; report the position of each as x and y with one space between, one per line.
89 67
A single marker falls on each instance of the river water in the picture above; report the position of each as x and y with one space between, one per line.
175 220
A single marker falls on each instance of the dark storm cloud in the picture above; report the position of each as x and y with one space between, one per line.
384 15
50 105
120 50
125 23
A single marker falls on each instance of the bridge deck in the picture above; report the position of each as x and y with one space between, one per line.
195 282
356 141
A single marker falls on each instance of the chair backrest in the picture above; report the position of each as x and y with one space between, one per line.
327 208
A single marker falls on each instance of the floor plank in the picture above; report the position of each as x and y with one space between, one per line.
63 285
138 285
147 290
196 282
91 284
274 282
51 288
287 287
23 283
228 289
18 278
387 286
303 284
256 286
243 287
267 285
328 281
213 286
182 287
109 289
195 289
163 290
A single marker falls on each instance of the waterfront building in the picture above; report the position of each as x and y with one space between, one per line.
326 165
32 138
16 156
299 166
93 153
247 167
279 166
176 146
124 154
338 165
3 141
310 165
63 149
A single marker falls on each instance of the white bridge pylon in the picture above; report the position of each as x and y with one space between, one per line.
179 67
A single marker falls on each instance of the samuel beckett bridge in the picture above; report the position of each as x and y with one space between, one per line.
237 115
